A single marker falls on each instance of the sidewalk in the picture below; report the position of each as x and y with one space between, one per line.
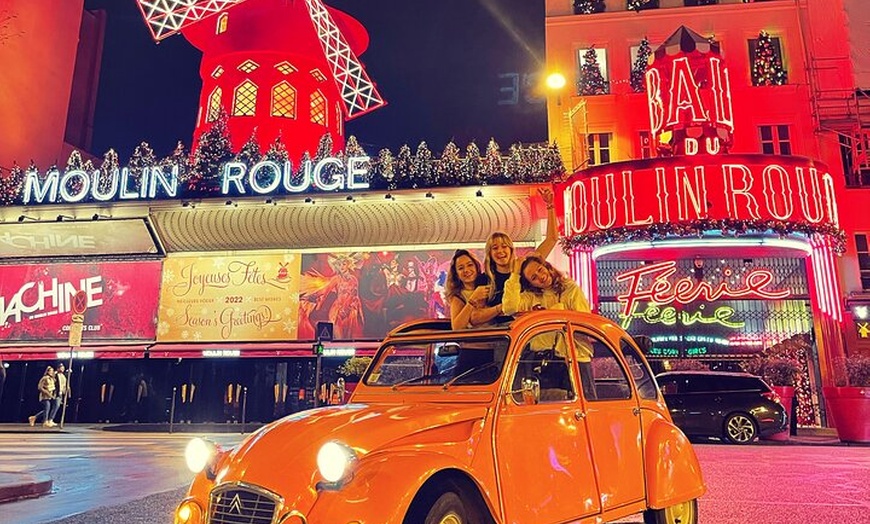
15 486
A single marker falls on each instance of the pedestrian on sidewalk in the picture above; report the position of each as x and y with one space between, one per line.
46 389
61 383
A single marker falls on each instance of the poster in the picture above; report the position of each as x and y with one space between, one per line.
244 297
36 301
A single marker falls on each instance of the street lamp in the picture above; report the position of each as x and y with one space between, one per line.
556 81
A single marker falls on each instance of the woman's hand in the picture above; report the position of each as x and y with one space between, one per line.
517 264
479 296
547 195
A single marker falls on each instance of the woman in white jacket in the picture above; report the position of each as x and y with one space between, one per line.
536 284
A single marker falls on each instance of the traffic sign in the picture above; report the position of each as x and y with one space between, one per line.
324 331
79 303
75 330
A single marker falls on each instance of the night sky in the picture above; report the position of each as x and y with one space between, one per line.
439 65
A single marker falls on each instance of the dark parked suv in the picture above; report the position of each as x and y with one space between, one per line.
738 407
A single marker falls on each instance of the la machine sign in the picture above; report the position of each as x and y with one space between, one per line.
689 188
263 178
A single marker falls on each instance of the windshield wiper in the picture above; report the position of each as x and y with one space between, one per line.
397 385
476 369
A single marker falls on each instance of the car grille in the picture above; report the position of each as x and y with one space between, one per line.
241 505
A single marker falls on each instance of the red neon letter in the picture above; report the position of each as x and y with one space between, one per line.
684 94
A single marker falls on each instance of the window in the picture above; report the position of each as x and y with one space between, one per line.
545 358
775 140
855 155
692 3
599 365
640 372
640 5
245 99
863 259
766 61
646 144
599 148
218 71
318 108
248 66
214 105
285 68
284 100
320 77
593 77
222 21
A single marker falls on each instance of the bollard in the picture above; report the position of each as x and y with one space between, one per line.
244 407
172 410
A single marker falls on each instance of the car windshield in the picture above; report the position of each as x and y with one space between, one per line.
444 362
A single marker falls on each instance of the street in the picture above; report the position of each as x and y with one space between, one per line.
103 477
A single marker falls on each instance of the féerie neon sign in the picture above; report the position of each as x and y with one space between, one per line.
662 292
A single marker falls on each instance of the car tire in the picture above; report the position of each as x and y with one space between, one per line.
685 513
447 509
740 428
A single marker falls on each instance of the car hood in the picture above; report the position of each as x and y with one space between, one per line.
281 457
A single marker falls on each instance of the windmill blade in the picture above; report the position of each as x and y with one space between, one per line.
167 17
358 93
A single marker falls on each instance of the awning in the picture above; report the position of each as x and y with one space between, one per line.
82 353
261 349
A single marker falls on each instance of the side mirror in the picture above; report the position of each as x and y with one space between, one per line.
531 390
449 349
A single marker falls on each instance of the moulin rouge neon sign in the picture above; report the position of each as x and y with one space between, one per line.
662 292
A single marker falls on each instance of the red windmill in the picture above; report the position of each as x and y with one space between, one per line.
268 64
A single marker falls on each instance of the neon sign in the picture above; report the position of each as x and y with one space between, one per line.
669 316
687 290
682 189
263 178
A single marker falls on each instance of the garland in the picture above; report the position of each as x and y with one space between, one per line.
696 228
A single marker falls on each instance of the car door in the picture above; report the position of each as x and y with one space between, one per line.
674 389
612 417
543 458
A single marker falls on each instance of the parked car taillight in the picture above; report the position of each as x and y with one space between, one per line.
771 395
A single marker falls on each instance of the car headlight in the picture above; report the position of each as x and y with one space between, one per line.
189 512
199 453
334 460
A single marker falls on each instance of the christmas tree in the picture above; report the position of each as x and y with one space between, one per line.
591 81
403 164
250 152
108 177
324 147
640 5
143 158
10 185
352 147
385 174
179 160
74 163
492 169
517 170
422 170
449 165
212 151
469 174
552 166
638 69
767 69
585 7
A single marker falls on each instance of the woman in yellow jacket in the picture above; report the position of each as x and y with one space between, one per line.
536 284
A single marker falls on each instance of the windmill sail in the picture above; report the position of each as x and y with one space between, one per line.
358 93
167 17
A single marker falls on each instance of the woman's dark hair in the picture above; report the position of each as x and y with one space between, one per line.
558 278
453 286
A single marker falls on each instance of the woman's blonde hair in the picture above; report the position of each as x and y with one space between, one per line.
488 263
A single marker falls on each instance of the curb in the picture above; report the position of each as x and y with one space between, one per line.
23 486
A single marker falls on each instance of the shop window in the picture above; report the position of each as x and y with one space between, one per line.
285 68
863 259
593 78
641 5
318 108
599 148
646 144
214 105
693 3
775 140
245 99
248 66
284 100
855 155
222 22
766 63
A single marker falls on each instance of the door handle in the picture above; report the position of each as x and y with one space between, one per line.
579 415
635 411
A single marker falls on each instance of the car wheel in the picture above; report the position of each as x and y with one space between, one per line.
740 428
448 509
684 513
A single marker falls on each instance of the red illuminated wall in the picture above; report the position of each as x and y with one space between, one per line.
284 34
